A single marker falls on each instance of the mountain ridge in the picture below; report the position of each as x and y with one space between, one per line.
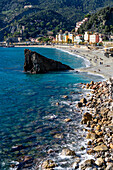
70 11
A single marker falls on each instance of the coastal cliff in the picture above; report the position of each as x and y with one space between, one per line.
36 63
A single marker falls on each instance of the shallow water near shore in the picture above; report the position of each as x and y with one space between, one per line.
29 115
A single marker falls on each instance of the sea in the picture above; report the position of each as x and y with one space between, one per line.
33 109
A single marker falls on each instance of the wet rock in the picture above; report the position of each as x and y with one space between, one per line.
90 151
48 164
92 83
82 148
25 162
59 136
86 117
75 165
83 100
99 161
111 145
99 133
86 164
89 143
65 96
87 85
68 152
94 87
101 148
79 104
50 151
98 127
91 136
99 140
17 148
67 120
109 166
57 104
27 159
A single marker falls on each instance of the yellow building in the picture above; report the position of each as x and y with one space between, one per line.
67 37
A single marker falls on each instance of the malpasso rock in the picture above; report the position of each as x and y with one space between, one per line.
36 63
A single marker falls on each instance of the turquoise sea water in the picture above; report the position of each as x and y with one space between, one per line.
29 116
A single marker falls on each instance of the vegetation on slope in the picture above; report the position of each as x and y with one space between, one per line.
68 13
101 22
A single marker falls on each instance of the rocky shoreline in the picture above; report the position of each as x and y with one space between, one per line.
97 110
99 118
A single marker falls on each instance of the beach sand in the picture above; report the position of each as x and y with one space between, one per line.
99 63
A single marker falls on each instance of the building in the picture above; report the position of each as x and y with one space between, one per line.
86 36
78 38
62 38
71 37
19 39
65 37
59 37
78 24
94 38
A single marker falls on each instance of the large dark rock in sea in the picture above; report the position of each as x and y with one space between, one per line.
36 63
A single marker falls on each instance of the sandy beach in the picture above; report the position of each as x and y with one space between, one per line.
99 63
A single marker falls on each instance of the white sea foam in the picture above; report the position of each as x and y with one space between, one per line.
64 157
50 117
96 74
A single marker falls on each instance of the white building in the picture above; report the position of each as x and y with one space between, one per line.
86 36
92 38
60 37
78 24
78 38
70 36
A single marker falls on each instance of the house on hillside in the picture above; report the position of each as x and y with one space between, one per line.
78 24
28 6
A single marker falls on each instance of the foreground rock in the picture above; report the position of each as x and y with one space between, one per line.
36 63
68 152
87 164
48 164
98 117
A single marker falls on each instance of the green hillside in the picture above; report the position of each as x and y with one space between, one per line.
68 12
101 22
38 22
